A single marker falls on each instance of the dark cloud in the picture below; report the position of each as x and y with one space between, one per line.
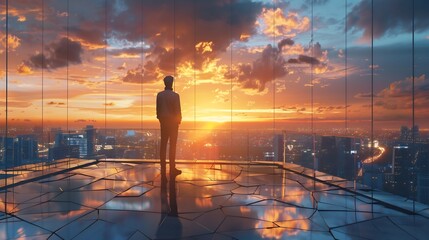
270 65
304 59
58 54
285 42
55 103
168 29
398 95
133 75
294 108
316 52
216 22
390 17
148 74
93 36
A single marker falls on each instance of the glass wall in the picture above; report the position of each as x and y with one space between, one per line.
332 86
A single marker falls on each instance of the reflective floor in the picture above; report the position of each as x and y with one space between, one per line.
118 200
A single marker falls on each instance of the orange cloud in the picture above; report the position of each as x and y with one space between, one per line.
127 55
87 44
210 72
204 47
13 41
21 13
24 69
276 23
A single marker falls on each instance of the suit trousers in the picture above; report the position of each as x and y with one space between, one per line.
169 132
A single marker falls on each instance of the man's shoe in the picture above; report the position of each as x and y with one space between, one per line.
175 172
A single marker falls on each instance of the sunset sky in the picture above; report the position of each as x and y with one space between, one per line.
239 61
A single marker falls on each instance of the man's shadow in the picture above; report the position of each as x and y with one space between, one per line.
169 225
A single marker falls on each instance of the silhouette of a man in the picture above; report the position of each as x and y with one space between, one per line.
169 114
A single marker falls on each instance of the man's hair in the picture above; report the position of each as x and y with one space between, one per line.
168 81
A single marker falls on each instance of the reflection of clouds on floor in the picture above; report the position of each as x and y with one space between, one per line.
127 200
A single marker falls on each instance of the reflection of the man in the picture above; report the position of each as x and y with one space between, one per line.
169 223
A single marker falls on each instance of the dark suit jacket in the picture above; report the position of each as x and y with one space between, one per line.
168 107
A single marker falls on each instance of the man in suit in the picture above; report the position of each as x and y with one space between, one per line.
169 114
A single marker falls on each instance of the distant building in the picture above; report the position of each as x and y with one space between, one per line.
278 145
18 150
26 149
336 156
298 149
80 140
407 134
345 156
64 151
399 180
422 188
373 176
327 155
75 145
90 140
7 152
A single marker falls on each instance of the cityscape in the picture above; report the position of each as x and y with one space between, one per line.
393 163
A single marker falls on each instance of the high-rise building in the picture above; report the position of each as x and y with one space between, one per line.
77 145
298 149
7 152
400 179
345 156
278 145
90 142
77 140
18 150
336 156
327 155
422 181
408 134
26 149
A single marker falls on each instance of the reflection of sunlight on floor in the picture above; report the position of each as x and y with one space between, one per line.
203 202
71 214
280 220
212 199
9 206
290 222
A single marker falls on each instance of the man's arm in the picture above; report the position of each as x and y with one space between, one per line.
157 106
179 109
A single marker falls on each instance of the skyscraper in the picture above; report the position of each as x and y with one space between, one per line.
327 155
90 140
26 149
278 145
400 179
336 156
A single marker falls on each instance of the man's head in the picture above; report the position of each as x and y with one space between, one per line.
168 81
